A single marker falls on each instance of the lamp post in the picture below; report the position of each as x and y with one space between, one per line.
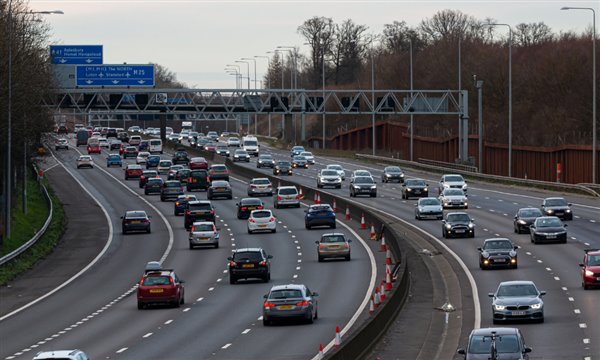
238 71
252 59
230 72
411 94
247 68
373 96
268 86
593 85
479 86
509 95
292 82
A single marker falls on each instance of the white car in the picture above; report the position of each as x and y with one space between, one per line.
452 181
359 173
453 198
164 166
85 160
329 178
233 142
204 233
309 157
337 168
261 220
103 142
141 158
61 354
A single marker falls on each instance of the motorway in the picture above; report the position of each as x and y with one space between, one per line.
96 313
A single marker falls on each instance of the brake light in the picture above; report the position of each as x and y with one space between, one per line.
243 208
263 263
260 207
253 186
177 203
347 246
170 280
278 198
188 212
190 179
271 219
269 305
232 264
212 211
193 228
297 197
251 220
208 179
269 186
145 220
302 303
321 246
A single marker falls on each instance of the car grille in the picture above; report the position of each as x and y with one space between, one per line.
520 307
455 186
460 227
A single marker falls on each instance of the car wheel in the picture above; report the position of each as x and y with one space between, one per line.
191 246
334 225
249 231
348 257
266 278
541 320
494 321
481 266
232 280
443 233
316 314
266 322
320 259
148 230
403 197
585 287
417 217
140 305
473 234
532 239
308 227
124 231
177 303
274 230
276 206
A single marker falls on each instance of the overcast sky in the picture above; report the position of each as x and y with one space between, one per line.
196 39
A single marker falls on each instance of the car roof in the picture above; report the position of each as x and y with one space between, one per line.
200 202
286 187
554 198
247 250
451 175
219 183
498 331
497 239
262 179
334 234
56 354
203 223
516 282
251 199
135 213
288 286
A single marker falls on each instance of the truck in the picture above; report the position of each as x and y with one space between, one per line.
186 125
82 137
250 144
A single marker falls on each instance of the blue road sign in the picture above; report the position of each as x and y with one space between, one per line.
76 54
115 75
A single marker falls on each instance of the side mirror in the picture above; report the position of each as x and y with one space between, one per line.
349 240
542 293
314 294
461 351
581 265
181 281
266 296
237 204
570 204
516 247
527 350
230 258
443 221
491 294
565 225
269 256
306 211
317 242
516 217
121 217
149 216
479 249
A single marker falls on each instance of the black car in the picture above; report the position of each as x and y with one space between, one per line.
111 132
557 206
524 218
246 205
249 263
183 175
265 160
548 229
414 188
181 157
153 186
458 224
498 252
219 189
198 179
392 173
171 189
363 185
506 343
136 220
147 174
181 204
282 168
123 136
201 210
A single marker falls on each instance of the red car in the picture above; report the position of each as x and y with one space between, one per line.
122 149
133 171
160 287
590 269
198 163
210 147
94 148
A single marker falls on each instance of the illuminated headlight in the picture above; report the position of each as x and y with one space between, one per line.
522 222
513 260
568 210
448 226
536 306
408 189
388 175
236 156
466 204
471 226
589 273
549 211
401 175
374 187
499 307
425 189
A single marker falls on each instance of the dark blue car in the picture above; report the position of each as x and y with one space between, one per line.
153 186
319 215
152 161
114 159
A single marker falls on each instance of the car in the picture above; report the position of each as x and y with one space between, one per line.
265 160
498 252
115 144
198 211
142 157
61 144
122 149
111 132
363 185
260 186
308 156
557 206
173 171
171 189
241 155
182 175
155 146
452 181
233 142
193 135
153 186
319 215
297 150
181 203
114 159
180 157
198 179
133 171
152 161
282 168
164 166
249 263
94 148
286 196
202 142
213 136
147 174
429 208
135 220
548 229
219 189
392 173
329 178
103 142
495 343
517 300
160 287
357 173
590 269
62 129
453 198
292 301
299 161
333 245
130 151
82 137
204 233
198 163
74 354
337 168
414 188
218 172
524 218
210 147
174 137
247 205
222 150
135 140
458 224
261 220
134 129
85 161
123 136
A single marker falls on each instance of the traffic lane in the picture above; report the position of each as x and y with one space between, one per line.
99 286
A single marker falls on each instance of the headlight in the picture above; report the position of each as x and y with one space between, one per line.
536 306
549 211
522 222
424 189
471 226
374 187
499 307
466 204
387 175
446 186
408 189
568 210
512 254
448 226
401 175
589 273
464 187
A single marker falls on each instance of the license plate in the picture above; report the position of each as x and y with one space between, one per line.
334 246
518 313
136 222
156 290
550 236
499 260
262 226
220 189
204 239
417 191
248 265
460 231
284 307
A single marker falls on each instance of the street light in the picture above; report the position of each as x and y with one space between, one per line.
593 86
509 95
252 59
411 95
479 86
268 85
248 70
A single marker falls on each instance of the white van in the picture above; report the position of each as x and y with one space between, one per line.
155 146
250 144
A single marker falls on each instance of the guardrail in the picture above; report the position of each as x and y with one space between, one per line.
547 185
8 257
463 167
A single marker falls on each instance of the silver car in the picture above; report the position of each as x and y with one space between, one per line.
286 196
204 233
452 181
453 198
429 208
292 301
517 300
333 245
329 178
164 166
337 168
359 173
309 157
85 160
260 186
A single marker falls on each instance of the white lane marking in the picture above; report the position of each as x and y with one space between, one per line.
571 299
297 267
539 261
548 269
295 277
260 318
211 289
299 254
564 288
586 244
582 325
187 309
219 280
245 331
168 322
226 346
556 278
225 271
577 311
298 247
528 253
147 335
199 299
299 260
295 241
121 350
592 220
586 341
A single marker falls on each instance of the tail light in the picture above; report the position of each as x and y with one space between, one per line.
188 212
145 220
302 303
269 186
260 207
321 246
177 203
170 280
269 305
271 219
190 179
251 220
181 189
297 197
193 228
347 246
263 263
212 211
278 198
243 208
232 264
208 179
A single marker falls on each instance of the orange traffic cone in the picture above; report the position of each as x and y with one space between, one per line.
377 297
388 280
388 257
363 226
347 213
334 206
318 198
382 290
301 194
320 351
371 306
338 337
382 245
373 235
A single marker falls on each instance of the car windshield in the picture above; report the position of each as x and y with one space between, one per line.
154 181
156 280
165 163
249 201
335 167
329 173
203 227
548 222
593 260
176 167
458 218
361 173
318 208
556 202
306 153
454 178
200 206
219 168
412 183
261 214
261 181
154 157
265 157
481 344
453 192
250 143
220 184
529 213
517 290
498 244
332 238
288 191
135 214
114 157
285 294
198 159
241 152
299 157
364 180
426 202
247 255
283 163
392 170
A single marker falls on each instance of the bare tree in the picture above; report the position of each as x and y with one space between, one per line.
349 50
319 34
532 34
166 78
451 24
